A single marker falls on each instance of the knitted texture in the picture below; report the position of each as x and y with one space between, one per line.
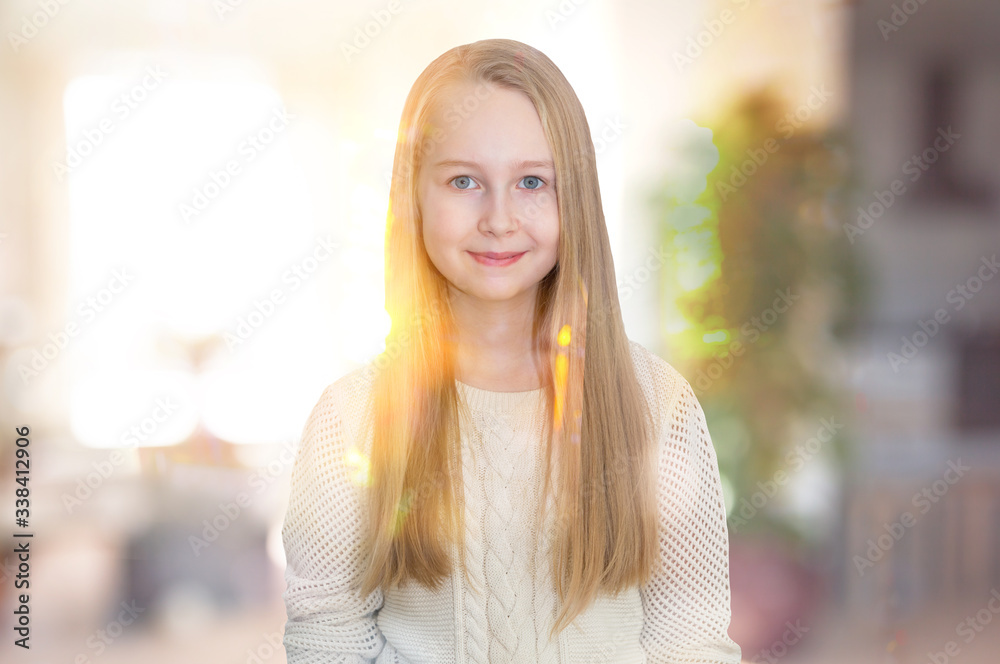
504 609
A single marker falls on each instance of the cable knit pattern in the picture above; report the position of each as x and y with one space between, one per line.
503 567
506 609
545 599
476 625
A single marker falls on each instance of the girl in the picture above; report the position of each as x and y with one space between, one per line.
513 479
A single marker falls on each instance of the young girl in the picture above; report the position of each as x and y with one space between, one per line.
513 479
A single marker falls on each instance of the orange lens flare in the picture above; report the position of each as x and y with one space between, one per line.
564 336
562 369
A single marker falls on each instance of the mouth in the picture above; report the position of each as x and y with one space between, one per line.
498 259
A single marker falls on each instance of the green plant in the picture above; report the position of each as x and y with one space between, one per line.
762 289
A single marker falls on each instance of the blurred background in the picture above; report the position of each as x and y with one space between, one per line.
802 198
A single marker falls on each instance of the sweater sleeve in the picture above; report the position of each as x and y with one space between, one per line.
327 622
686 602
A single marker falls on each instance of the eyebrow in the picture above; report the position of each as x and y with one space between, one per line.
515 165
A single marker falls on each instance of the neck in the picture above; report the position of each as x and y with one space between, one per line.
494 349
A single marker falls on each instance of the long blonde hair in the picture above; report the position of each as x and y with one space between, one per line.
599 450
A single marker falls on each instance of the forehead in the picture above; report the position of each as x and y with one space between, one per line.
485 122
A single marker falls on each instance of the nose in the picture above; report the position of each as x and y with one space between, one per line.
500 215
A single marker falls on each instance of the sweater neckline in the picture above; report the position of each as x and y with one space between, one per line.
498 402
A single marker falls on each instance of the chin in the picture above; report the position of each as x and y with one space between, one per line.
496 297
492 295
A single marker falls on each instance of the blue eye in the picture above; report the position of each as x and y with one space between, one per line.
463 180
532 181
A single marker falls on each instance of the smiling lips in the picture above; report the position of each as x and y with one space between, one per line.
497 259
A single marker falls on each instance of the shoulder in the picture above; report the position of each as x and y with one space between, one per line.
353 386
663 385
342 406
688 463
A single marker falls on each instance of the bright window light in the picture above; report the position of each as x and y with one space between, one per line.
197 269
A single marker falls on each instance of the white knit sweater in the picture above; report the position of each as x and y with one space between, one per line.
680 616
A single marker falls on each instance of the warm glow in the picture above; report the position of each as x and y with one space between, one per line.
716 337
358 464
560 393
564 335
121 407
225 279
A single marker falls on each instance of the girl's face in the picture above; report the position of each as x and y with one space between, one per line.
486 191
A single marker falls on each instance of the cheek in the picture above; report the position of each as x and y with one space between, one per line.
540 212
432 240
439 233
436 222
547 225
430 217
